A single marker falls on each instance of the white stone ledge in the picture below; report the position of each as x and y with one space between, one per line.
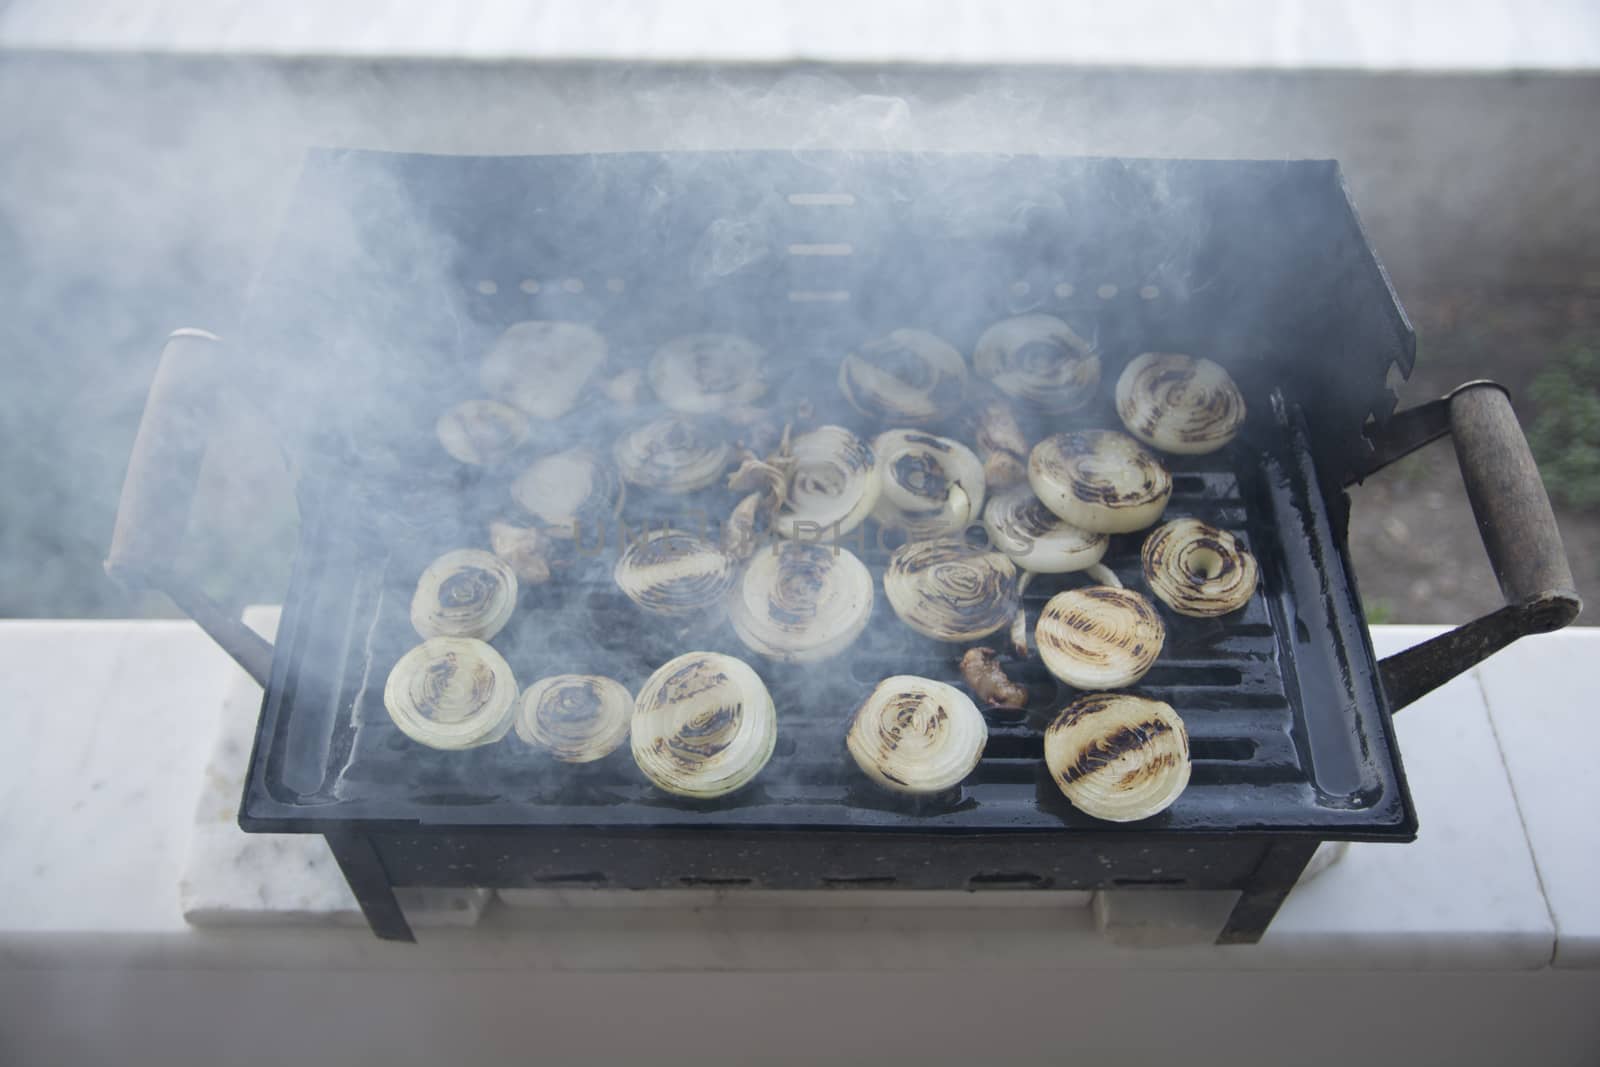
106 728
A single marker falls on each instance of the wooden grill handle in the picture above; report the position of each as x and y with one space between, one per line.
158 492
1514 519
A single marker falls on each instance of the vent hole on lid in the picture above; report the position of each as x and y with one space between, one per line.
1149 292
615 285
1009 880
1106 291
488 288
714 882
860 882
529 286
573 285
578 878
1065 289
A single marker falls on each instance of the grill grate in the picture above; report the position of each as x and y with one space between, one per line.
1234 680
809 256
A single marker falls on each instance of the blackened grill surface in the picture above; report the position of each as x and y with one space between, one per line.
1276 738
1286 724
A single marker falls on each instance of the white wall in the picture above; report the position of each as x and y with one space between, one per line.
1490 35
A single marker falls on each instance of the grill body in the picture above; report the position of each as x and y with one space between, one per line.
397 272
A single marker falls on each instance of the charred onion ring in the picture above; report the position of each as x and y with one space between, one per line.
1178 403
703 725
1099 637
951 591
1099 480
914 735
1118 757
1198 569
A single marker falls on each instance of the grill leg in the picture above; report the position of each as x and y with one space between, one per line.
358 859
1264 893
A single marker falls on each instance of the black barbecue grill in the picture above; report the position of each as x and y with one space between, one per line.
394 274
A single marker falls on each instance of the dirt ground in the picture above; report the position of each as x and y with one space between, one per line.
1415 544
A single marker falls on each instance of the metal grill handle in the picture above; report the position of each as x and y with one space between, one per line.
158 491
1514 518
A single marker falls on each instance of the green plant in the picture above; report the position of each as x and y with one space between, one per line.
1378 612
1566 433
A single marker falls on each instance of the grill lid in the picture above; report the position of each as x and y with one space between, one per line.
393 271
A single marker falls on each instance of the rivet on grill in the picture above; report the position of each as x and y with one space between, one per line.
488 288
616 285
1065 289
1106 291
1149 292
573 285
529 286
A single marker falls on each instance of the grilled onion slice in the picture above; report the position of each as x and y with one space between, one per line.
672 455
932 486
1036 538
669 572
452 692
1099 480
1099 637
949 590
1118 757
800 602
832 484
1198 569
481 432
914 735
1178 403
703 725
909 376
464 593
577 718
543 367
1038 360
570 492
708 373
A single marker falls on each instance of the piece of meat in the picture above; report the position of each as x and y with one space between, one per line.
999 441
981 669
742 532
1003 469
524 547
